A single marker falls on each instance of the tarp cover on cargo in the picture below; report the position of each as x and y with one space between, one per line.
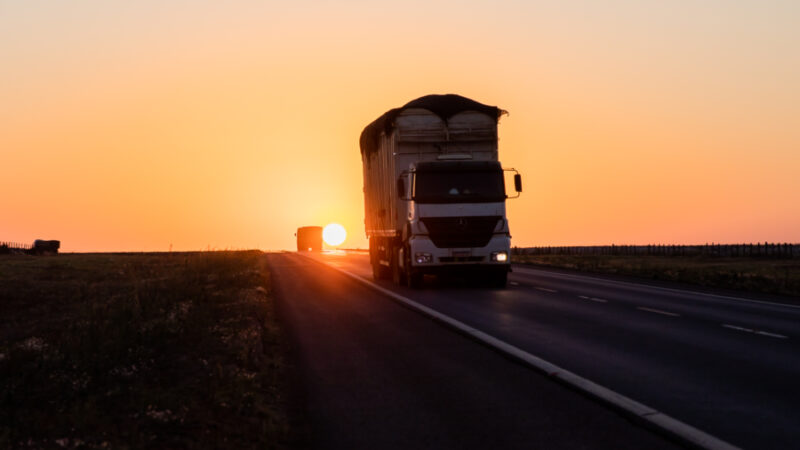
444 106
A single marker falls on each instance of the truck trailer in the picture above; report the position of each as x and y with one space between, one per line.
434 191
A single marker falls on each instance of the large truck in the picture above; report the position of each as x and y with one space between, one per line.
309 239
434 191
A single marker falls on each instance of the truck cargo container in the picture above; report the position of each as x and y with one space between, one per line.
434 191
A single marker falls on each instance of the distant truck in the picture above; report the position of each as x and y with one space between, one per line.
309 239
434 191
45 247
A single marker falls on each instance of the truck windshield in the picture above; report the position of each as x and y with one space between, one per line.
459 187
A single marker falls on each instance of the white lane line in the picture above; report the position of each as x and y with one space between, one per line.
519 269
750 330
658 311
734 327
593 299
680 430
775 335
546 290
513 283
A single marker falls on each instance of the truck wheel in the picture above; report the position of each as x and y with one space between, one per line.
413 278
398 277
379 272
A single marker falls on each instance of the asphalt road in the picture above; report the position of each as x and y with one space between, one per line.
727 366
374 374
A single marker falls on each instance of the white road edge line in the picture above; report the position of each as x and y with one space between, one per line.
546 289
519 268
750 330
658 311
656 418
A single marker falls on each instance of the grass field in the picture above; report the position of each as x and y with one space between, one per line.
171 350
770 276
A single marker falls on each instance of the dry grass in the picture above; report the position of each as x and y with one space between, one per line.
176 350
770 276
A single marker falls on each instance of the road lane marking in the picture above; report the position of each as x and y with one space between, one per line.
546 289
668 424
593 299
775 335
513 283
734 327
750 330
521 269
658 311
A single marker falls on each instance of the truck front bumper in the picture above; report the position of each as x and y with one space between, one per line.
427 258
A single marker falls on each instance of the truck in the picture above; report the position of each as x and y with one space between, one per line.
309 239
434 192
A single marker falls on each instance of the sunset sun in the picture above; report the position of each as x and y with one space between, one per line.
334 234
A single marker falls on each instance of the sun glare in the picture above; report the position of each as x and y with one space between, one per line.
334 234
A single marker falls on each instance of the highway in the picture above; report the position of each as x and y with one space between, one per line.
727 366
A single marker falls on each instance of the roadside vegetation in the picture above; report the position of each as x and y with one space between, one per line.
170 350
763 275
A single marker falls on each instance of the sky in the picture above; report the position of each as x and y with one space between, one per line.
187 125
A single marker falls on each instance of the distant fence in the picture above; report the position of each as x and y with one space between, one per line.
761 250
39 247
14 247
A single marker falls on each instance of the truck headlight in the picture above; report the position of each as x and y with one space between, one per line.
423 258
500 256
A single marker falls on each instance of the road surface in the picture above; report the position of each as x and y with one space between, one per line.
727 366
377 375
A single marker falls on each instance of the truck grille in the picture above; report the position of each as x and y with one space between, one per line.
461 259
470 231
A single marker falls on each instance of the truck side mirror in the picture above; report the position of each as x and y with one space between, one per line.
401 188
518 182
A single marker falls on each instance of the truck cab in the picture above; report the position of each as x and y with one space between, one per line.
456 220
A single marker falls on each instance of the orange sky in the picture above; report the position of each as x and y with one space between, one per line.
198 124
